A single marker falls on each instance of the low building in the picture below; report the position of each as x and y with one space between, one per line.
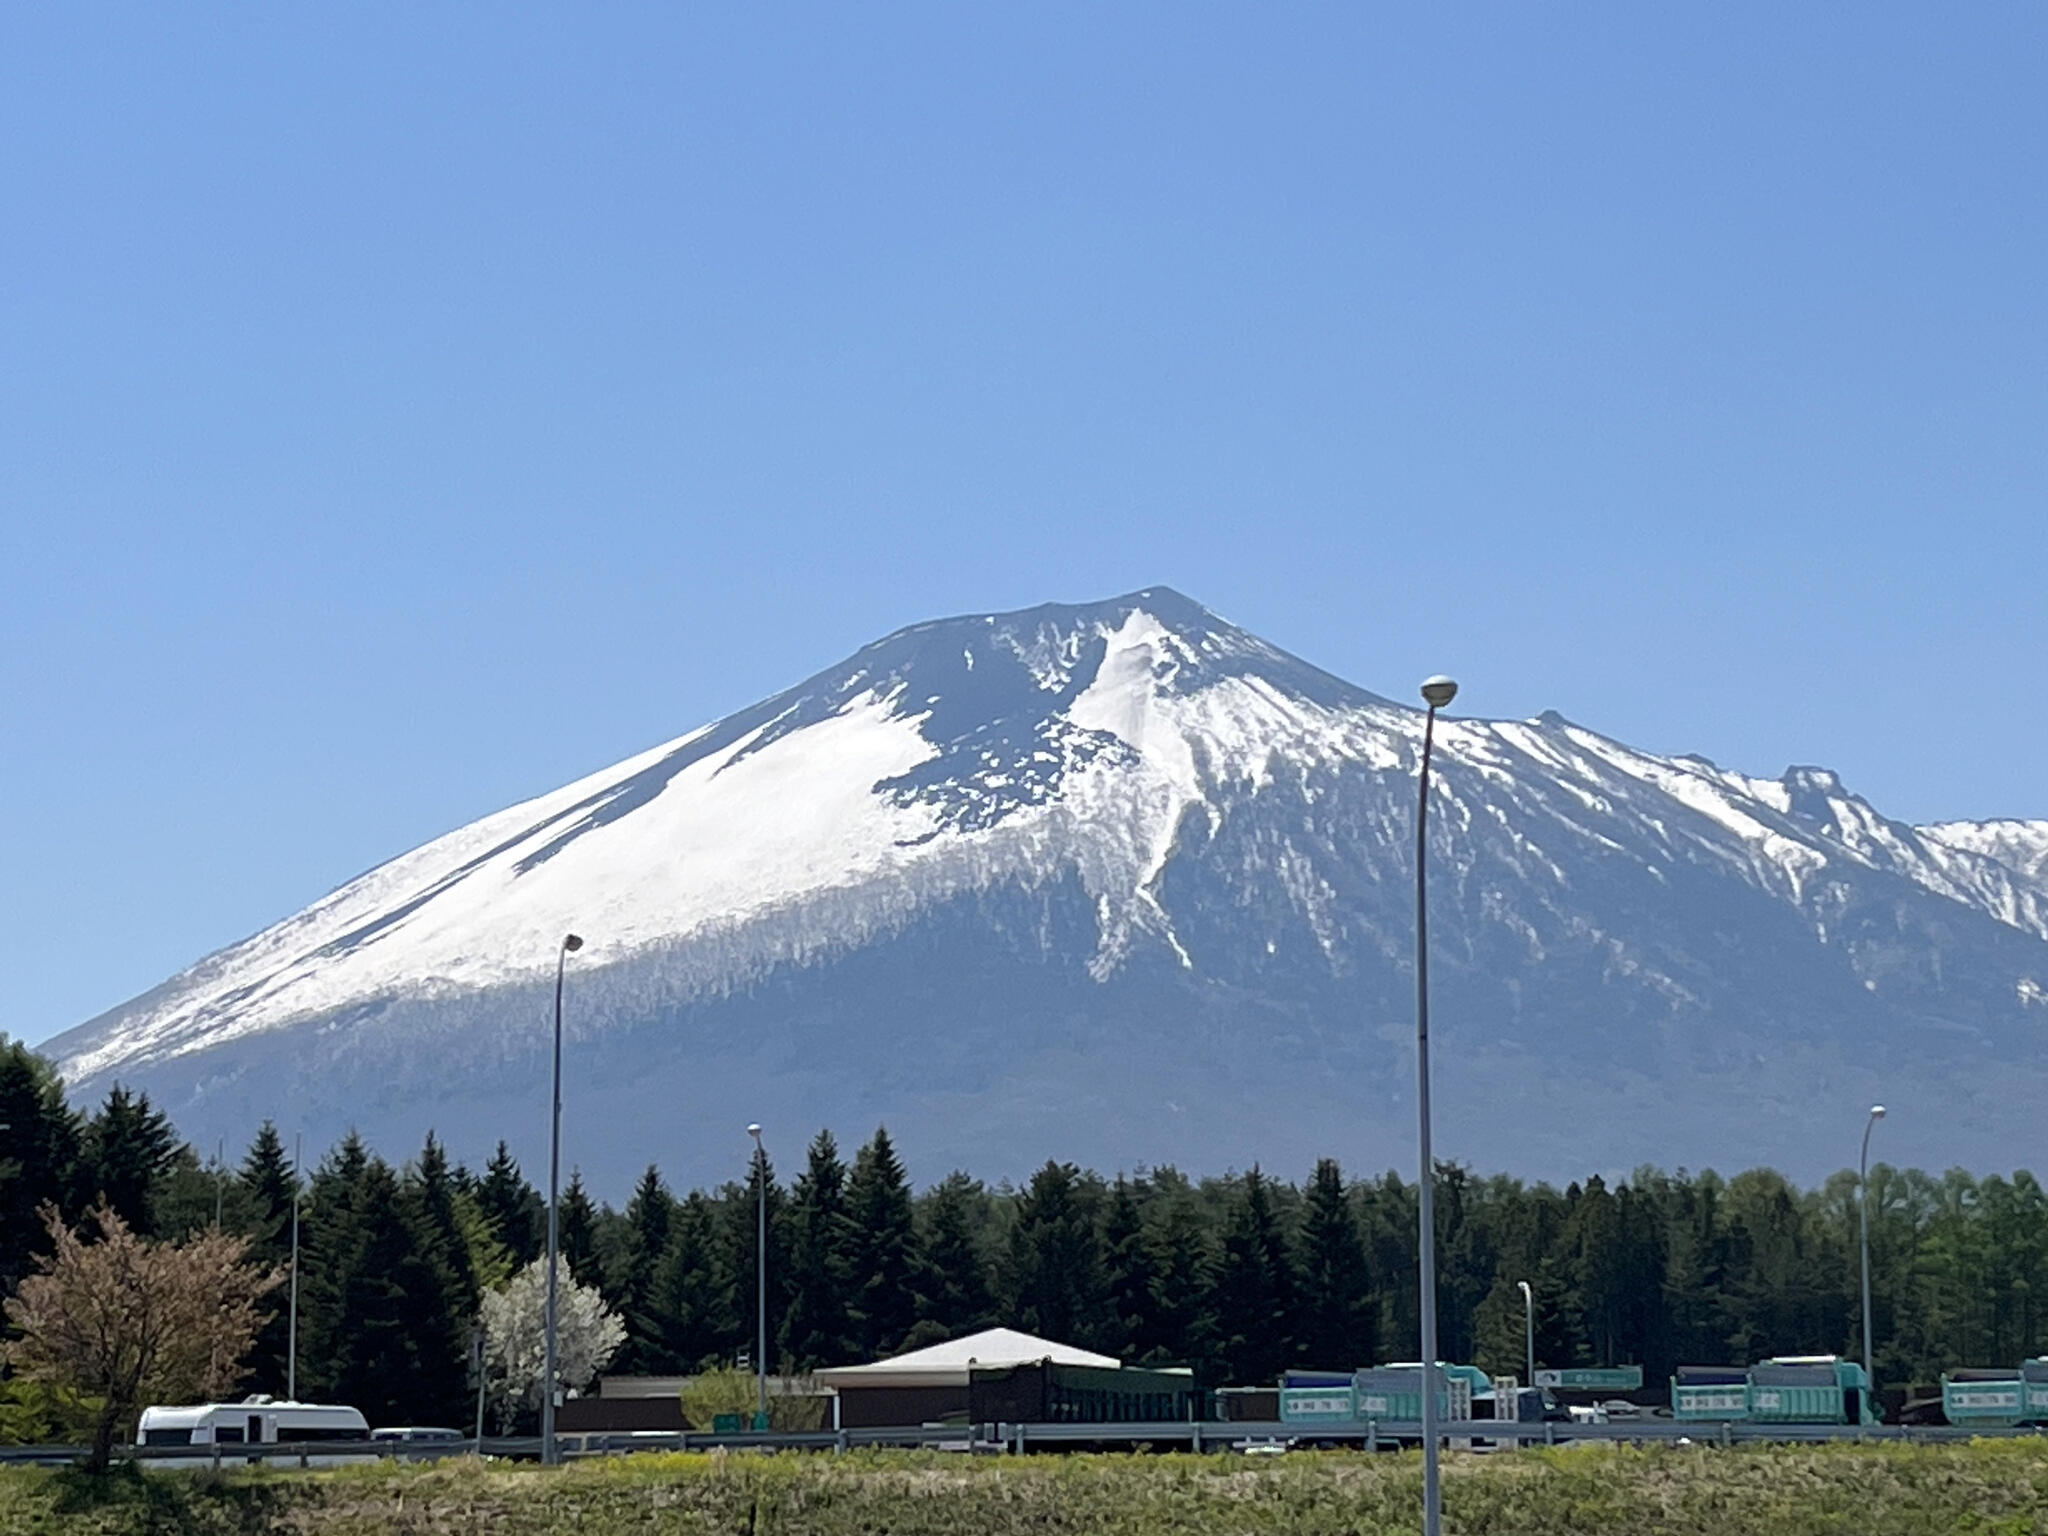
934 1385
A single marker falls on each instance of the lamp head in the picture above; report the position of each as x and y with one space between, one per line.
754 1131
572 943
1877 1111
1438 691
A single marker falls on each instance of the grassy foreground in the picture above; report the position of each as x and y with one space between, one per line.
1986 1489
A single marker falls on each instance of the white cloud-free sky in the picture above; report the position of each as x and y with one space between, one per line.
406 410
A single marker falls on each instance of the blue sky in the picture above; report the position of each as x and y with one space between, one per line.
404 410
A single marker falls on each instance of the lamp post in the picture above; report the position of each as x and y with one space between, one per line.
1529 1326
761 1272
291 1348
1436 693
1863 1205
570 944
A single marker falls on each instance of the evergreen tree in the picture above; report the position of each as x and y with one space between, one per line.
1695 1313
391 1346
577 1231
1256 1288
330 1234
128 1149
1238 1278
953 1290
688 1283
39 1153
517 1214
1180 1327
1776 1301
1388 1215
1056 1260
269 1183
1338 1307
1128 1270
819 1326
1468 1257
648 1217
432 1191
883 1258
431 1207
1559 1339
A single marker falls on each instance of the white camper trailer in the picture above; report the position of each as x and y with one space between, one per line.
233 1428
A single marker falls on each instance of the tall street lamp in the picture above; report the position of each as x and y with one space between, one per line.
1529 1326
761 1273
1863 1204
1436 693
570 944
291 1347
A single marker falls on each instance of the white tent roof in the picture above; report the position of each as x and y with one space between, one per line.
947 1364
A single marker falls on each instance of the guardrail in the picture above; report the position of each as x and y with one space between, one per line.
1018 1439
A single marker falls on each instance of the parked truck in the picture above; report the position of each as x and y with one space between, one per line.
1786 1389
2000 1397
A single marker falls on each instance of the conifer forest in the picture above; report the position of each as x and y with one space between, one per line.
1240 1276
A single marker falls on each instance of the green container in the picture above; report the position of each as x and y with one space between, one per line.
1981 1399
1395 1392
1810 1389
1705 1395
1997 1398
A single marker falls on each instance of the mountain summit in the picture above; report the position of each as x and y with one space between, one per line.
1123 882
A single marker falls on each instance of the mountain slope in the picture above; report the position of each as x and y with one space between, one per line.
1123 882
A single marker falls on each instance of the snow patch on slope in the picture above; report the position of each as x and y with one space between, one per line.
733 835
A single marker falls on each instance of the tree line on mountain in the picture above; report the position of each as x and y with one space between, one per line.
1240 1276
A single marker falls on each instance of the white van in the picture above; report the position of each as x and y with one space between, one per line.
254 1421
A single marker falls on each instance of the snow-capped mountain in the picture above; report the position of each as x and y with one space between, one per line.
1123 883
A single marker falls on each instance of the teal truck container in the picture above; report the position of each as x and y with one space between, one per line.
1996 1398
1710 1394
1980 1399
1788 1389
1395 1392
1317 1397
1810 1389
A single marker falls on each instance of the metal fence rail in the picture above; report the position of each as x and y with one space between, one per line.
1213 1435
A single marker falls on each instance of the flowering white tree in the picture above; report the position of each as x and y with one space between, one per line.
587 1335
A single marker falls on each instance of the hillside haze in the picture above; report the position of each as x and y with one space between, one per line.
1123 883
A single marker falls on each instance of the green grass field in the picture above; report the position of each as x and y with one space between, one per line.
1984 1489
